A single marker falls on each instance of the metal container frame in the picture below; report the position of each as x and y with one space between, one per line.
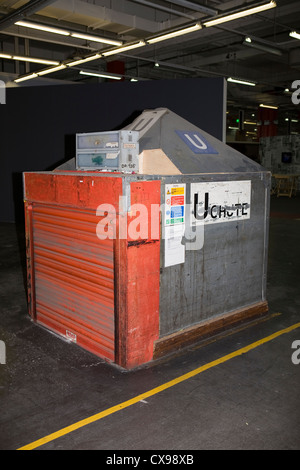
145 316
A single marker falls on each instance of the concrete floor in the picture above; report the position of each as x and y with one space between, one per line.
251 401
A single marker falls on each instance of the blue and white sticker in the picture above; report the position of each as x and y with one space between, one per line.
196 142
177 211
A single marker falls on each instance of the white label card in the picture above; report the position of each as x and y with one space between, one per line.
221 201
174 223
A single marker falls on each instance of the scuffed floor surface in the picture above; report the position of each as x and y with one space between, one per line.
248 402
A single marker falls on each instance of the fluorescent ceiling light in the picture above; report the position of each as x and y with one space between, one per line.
26 77
124 48
268 106
82 61
53 69
241 82
41 27
102 75
37 74
295 35
64 32
29 59
174 34
240 14
37 61
88 37
261 47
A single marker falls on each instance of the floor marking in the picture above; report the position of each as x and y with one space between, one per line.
154 391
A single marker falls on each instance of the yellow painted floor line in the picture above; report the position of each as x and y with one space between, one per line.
154 391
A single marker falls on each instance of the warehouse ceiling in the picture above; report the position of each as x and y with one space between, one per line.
256 48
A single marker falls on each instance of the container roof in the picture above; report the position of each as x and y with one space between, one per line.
189 148
183 147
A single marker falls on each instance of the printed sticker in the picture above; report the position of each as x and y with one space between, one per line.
196 142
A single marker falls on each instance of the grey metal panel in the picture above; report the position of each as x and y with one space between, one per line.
69 165
162 129
228 273
162 133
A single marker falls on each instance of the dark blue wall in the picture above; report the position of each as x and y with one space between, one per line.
38 124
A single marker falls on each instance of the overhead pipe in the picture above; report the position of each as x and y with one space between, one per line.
195 7
166 9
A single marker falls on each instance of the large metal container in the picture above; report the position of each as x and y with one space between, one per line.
134 265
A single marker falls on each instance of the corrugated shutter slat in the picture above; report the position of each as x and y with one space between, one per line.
74 277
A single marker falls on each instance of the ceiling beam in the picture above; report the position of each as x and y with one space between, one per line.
195 6
96 14
26 10
167 10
